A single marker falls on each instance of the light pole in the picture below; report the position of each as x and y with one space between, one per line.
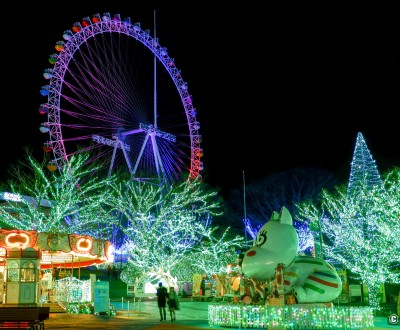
244 210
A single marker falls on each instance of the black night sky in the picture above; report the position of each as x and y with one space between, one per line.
275 88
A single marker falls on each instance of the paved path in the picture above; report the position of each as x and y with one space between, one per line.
193 315
145 316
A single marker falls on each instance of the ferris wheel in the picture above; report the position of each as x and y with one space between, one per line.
114 92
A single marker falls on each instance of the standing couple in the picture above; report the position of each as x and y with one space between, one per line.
165 297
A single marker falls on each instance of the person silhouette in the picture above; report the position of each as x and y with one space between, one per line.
173 303
162 294
203 286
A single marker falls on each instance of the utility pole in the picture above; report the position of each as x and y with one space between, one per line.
244 209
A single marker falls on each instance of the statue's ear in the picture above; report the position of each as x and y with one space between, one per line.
285 216
274 216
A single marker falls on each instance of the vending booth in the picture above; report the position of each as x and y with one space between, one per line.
22 276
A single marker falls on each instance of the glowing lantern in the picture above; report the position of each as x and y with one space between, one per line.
51 166
53 58
59 46
47 147
43 109
67 34
76 27
48 73
106 17
44 128
116 17
199 152
96 18
86 21
45 90
136 27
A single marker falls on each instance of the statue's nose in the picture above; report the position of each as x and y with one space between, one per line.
251 253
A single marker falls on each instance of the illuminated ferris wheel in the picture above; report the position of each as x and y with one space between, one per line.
114 91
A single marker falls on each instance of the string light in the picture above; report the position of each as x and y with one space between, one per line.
290 316
359 223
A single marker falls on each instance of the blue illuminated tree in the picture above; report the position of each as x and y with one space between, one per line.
274 191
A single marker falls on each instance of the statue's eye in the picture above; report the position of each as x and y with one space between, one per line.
262 238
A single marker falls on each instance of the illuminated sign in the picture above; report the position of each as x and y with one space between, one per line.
11 197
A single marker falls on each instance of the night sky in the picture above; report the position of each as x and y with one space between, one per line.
275 88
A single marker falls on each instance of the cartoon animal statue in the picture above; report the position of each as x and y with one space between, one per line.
274 257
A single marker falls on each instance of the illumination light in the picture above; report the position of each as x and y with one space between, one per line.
84 244
18 240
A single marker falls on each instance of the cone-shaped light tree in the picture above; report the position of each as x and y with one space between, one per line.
363 172
355 221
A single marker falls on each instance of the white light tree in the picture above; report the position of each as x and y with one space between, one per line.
363 173
390 207
64 201
359 223
354 237
212 256
166 227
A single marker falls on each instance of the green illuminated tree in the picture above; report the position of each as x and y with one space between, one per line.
390 207
357 233
166 228
66 201
360 223
211 256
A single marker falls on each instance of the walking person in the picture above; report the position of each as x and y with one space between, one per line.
173 303
162 294
203 286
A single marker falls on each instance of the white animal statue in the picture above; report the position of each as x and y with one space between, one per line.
273 257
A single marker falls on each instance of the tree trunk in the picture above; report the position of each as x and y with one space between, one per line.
373 294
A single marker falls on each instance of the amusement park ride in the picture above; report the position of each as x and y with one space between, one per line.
28 258
124 124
